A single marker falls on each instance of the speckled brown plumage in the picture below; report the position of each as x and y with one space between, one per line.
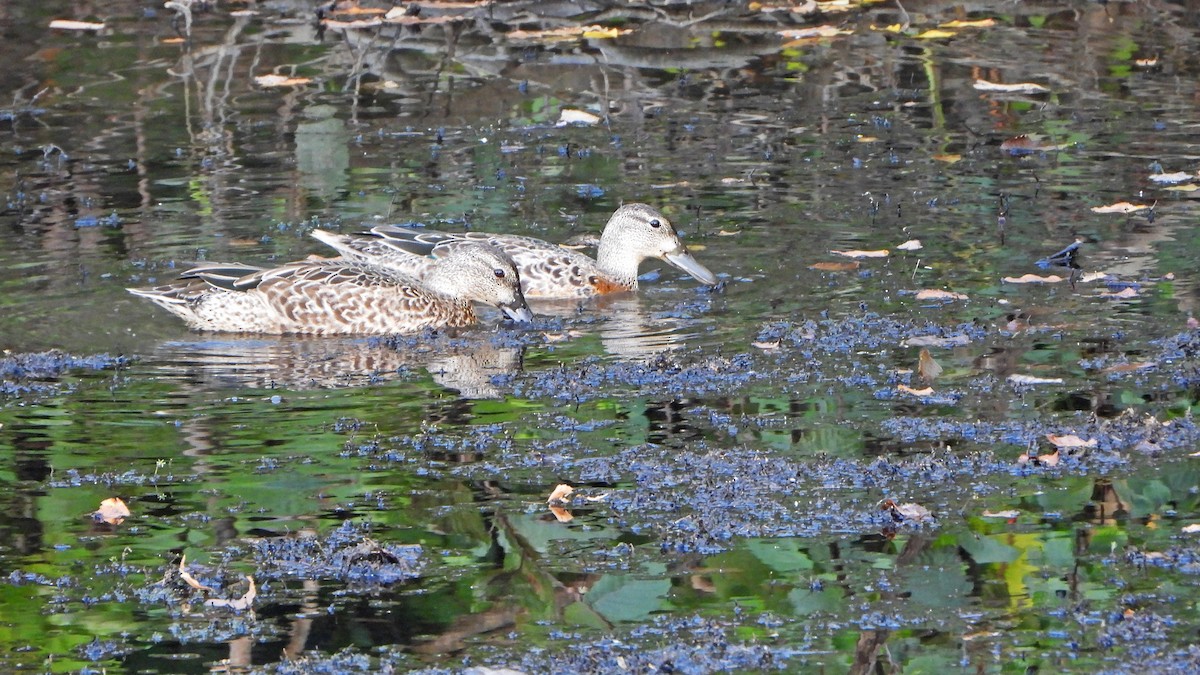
338 297
633 233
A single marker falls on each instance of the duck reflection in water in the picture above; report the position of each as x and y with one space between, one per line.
467 366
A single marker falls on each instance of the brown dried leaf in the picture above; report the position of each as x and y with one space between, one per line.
1129 367
905 389
1033 279
567 33
934 294
909 511
112 511
1071 441
927 366
948 158
835 266
191 580
1123 294
560 514
1050 459
1120 207
856 253
280 81
240 604
1018 88
561 494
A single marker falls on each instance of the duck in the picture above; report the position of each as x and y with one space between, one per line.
343 297
633 233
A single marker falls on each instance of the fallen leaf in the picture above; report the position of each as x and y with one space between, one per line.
1089 277
240 604
834 266
905 389
1033 279
728 233
1123 294
855 253
1071 441
399 16
935 33
766 346
566 33
824 31
960 23
1011 513
1177 177
1146 63
909 511
910 245
1191 529
280 81
572 116
356 24
948 158
191 580
1130 367
112 511
935 294
1020 87
927 366
67 24
561 494
1050 459
1120 207
1030 379
866 139
1190 187
956 340
354 10
560 514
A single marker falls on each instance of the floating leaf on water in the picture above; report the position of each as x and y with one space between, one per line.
1120 207
910 245
356 24
905 389
561 494
1030 379
766 346
1071 441
948 158
927 366
935 294
112 511
1018 88
1094 276
855 253
1049 459
728 233
935 33
1123 294
1130 367
835 266
1190 187
560 514
909 511
1008 514
1033 279
1177 177
956 340
67 24
1146 63
566 33
572 116
824 31
189 579
960 23
280 81
1191 529
239 604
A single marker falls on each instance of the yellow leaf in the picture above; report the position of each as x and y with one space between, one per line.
934 34
1119 207
935 294
977 23
947 158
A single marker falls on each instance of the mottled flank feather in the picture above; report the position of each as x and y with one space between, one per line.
339 297
634 233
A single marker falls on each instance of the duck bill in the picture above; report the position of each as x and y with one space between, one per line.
683 260
518 311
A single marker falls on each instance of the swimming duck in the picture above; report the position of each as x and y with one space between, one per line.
340 297
634 233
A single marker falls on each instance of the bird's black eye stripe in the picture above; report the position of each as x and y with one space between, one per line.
655 223
499 273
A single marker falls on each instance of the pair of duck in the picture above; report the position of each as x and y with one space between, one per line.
401 280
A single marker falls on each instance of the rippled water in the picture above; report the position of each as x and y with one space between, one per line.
737 440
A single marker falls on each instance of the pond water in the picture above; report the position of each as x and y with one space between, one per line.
730 447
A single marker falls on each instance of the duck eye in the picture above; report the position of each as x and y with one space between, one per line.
499 273
655 223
